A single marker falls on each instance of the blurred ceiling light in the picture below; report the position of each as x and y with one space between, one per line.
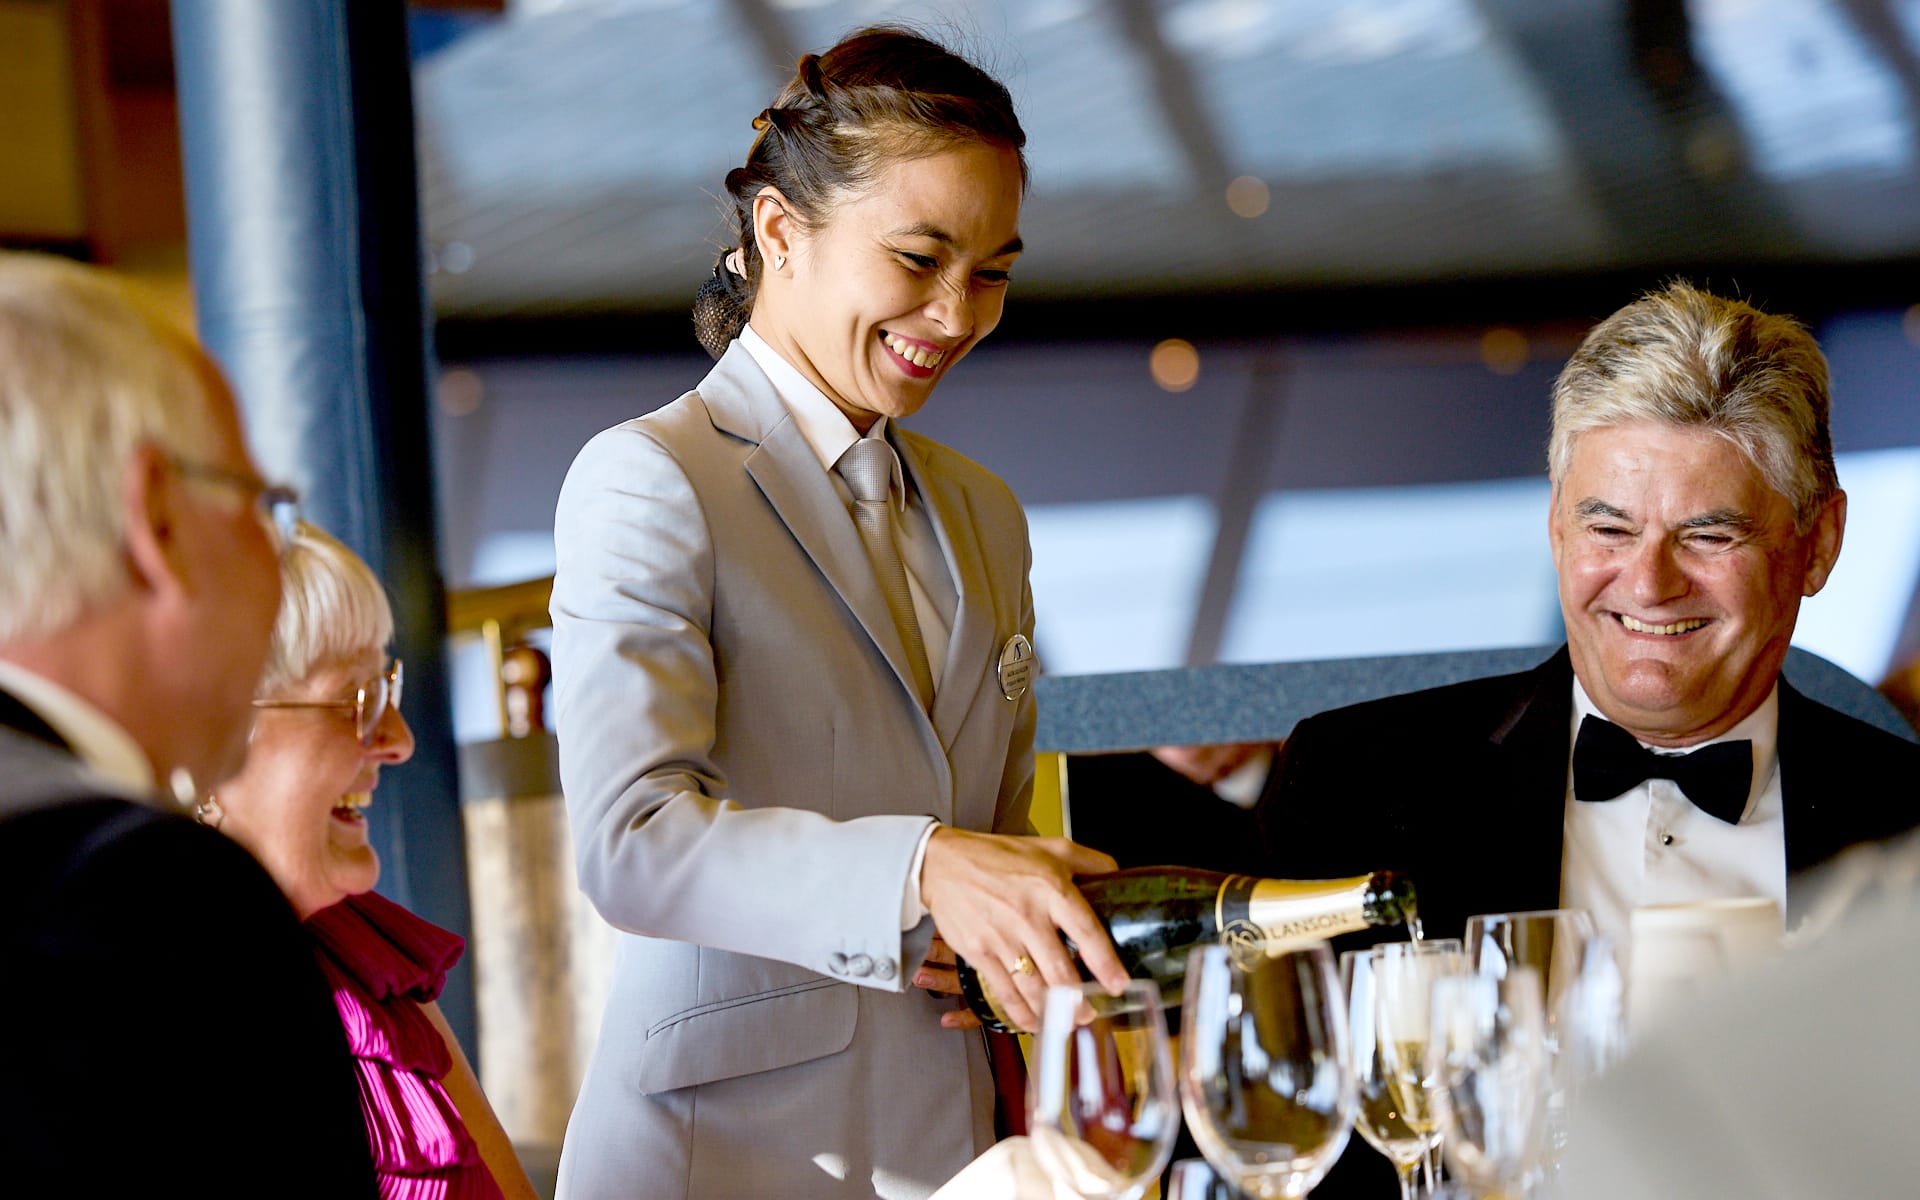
1175 365
1216 25
1248 197
1326 33
1503 350
1910 324
542 8
1812 94
460 392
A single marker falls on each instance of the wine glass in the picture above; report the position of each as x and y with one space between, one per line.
1403 976
1381 1118
1583 998
1487 1058
1101 1108
1266 1074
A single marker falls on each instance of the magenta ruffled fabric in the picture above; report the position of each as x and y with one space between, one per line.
383 963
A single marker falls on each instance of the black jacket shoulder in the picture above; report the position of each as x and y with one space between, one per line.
171 1031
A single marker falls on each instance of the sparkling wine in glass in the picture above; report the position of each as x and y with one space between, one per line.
1102 1110
1403 975
1266 1074
1381 1117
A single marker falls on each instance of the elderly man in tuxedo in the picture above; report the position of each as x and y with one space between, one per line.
168 1030
1658 757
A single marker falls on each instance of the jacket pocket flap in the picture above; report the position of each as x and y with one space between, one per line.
744 1035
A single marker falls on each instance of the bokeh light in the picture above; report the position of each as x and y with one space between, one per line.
460 392
1248 196
1503 350
1175 365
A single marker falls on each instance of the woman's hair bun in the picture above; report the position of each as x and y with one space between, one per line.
719 310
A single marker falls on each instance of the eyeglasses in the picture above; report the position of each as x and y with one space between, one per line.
277 503
370 702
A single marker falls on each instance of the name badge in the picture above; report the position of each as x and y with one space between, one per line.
1016 666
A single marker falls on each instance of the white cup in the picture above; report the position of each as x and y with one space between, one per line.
1677 951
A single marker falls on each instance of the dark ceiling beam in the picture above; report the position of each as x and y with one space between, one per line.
1878 24
1658 148
1181 104
779 49
1237 489
1811 290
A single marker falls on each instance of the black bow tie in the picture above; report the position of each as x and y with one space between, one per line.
1607 761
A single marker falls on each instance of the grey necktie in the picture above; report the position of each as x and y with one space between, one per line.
867 466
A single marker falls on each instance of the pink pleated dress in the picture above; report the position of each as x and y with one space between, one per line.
383 963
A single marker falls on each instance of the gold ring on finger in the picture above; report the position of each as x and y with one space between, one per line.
1022 966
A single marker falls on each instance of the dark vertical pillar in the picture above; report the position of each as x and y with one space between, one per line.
297 128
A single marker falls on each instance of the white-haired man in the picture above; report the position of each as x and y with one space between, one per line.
168 1028
1658 757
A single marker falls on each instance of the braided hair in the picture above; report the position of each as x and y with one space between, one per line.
880 95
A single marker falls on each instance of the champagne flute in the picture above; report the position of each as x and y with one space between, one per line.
1487 1058
1101 1108
1403 976
1381 1118
1266 1073
1582 994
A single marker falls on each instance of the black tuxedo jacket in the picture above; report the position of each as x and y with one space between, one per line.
167 1031
1464 788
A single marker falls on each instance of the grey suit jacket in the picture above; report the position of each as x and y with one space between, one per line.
748 774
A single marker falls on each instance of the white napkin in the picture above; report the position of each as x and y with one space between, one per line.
1008 1171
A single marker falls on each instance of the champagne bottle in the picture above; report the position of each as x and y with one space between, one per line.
1156 914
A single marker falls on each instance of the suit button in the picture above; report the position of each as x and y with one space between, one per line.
837 963
859 966
883 970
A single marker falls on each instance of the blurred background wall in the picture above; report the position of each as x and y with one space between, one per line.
1273 377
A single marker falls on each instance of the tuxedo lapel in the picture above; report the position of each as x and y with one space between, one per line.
36 763
742 403
1817 823
18 717
1530 742
971 639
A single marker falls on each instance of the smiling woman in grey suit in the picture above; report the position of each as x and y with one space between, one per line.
788 745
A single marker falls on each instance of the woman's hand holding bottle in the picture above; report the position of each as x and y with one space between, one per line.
1002 903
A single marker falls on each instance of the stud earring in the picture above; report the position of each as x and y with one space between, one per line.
209 813
779 261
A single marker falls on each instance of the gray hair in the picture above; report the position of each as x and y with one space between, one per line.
1684 357
89 373
332 606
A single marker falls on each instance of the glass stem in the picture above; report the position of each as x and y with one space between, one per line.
1430 1168
1408 1189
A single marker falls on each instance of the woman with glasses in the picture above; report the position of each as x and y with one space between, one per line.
327 720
